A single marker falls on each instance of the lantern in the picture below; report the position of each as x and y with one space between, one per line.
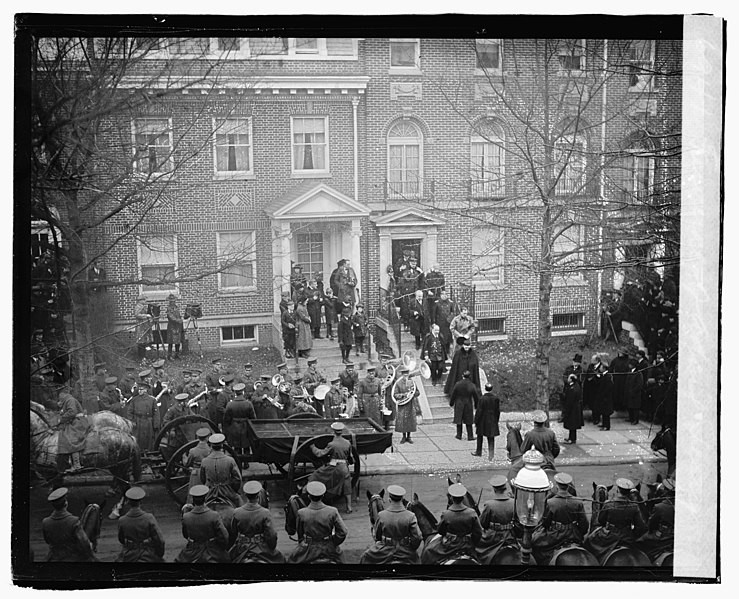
531 486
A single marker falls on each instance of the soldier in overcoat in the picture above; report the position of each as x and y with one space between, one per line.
63 532
220 473
252 530
320 530
207 538
368 396
406 414
143 412
139 532
238 412
542 439
496 521
396 533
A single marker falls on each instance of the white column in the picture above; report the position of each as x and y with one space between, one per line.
385 258
356 255
355 103
285 236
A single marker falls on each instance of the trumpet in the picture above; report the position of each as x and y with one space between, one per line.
120 393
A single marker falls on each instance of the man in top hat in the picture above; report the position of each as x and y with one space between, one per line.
73 429
238 412
632 391
407 412
462 326
620 522
142 410
464 399
110 399
435 353
564 521
396 533
312 378
216 408
193 459
660 535
464 360
541 438
207 538
574 368
253 531
63 532
619 368
368 396
320 530
496 520
340 452
139 532
459 530
487 417
572 416
220 473
333 400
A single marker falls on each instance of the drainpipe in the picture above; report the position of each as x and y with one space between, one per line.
355 103
602 180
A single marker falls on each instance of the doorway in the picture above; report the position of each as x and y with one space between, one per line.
398 245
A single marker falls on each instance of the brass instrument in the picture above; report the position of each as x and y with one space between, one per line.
165 388
409 361
388 379
408 396
192 402
277 380
320 392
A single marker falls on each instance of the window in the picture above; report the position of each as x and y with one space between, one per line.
152 145
567 249
405 159
340 46
236 261
190 45
568 322
636 175
571 55
158 263
487 156
487 254
640 55
310 144
488 55
491 326
306 45
404 54
238 333
229 44
310 252
260 46
303 48
233 146
570 157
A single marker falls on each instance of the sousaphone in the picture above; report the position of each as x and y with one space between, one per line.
409 361
320 392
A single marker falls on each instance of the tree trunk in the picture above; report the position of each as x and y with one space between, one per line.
544 325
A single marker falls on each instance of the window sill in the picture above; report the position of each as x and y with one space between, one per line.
237 292
569 332
569 282
160 295
488 286
239 342
405 71
240 176
310 175
492 337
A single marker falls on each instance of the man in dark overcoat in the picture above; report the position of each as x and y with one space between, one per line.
139 532
396 533
418 318
572 416
632 392
464 360
434 351
207 538
320 529
442 313
541 438
345 334
253 534
238 412
619 366
574 368
605 396
220 473
487 418
660 535
464 399
63 532
349 377
496 520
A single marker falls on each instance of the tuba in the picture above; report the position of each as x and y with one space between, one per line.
388 379
408 396
409 361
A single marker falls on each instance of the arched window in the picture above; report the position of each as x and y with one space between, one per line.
570 158
404 160
634 173
487 160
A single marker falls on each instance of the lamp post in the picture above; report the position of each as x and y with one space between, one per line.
531 485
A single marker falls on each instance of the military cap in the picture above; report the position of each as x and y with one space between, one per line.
135 494
143 384
457 490
488 387
404 370
144 373
498 481
539 416
58 494
669 484
196 371
312 360
396 490
336 380
201 433
247 365
252 487
371 369
563 478
625 484
99 365
215 361
182 396
337 426
349 365
159 363
466 342
111 380
229 378
315 488
188 372
130 368
216 438
265 377
239 387
283 365
199 491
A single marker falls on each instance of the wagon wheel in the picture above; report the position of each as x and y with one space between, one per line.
177 477
303 454
171 435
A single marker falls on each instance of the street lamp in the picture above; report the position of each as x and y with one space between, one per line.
531 485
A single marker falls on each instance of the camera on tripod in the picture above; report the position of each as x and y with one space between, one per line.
154 310
193 311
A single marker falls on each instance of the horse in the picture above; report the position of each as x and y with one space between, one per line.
106 448
600 496
375 505
468 500
667 439
91 521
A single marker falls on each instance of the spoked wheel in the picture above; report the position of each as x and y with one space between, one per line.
180 431
302 454
177 476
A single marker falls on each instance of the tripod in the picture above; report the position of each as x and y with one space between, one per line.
158 337
194 321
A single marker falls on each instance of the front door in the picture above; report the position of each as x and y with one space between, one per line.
310 252
413 245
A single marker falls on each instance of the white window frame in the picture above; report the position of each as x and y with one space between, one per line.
138 161
406 70
579 50
488 70
483 281
634 158
306 269
295 53
308 173
247 174
247 341
404 142
252 259
645 81
490 187
156 294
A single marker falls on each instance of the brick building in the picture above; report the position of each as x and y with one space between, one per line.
309 150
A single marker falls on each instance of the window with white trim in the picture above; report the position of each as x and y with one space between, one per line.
640 56
268 46
404 160
233 146
309 144
488 56
487 160
636 174
157 256
571 55
310 252
237 261
152 139
239 333
572 321
487 254
570 155
303 48
491 326
229 44
306 45
405 54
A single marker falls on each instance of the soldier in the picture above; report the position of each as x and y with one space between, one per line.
333 400
163 388
620 522
487 418
63 532
368 396
73 428
144 377
193 458
496 520
660 535
181 387
294 401
564 522
175 332
288 318
283 371
348 377
220 473
443 313
143 412
252 530
128 382
345 335
263 406
407 413
541 438
312 378
248 381
217 407
139 533
435 353
212 379
382 374
110 399
238 411
359 328
340 452
459 530
178 410
320 529
396 533
198 391
207 538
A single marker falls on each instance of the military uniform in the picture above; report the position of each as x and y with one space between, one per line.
368 396
544 441
207 538
405 418
139 533
110 400
332 403
496 521
340 452
564 523
349 378
64 534
220 473
397 537
255 535
193 459
217 406
660 536
321 531
311 379
459 533
143 411
238 411
263 407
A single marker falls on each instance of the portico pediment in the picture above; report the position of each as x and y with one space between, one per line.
408 217
320 201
